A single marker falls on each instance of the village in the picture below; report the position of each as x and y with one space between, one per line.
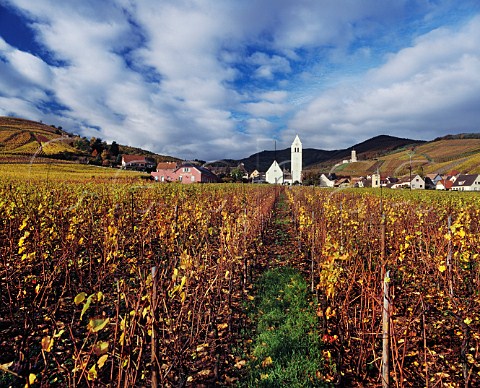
193 172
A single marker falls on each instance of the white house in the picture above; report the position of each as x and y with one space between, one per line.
466 182
274 174
417 183
326 182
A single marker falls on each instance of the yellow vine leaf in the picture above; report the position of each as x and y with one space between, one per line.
101 361
31 379
47 343
442 268
92 373
80 298
95 325
86 306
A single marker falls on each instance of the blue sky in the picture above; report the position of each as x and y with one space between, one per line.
213 79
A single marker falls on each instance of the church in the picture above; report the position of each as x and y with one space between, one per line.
276 174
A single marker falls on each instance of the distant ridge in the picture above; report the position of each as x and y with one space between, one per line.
371 148
23 141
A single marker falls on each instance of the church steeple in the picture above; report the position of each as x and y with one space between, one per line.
296 160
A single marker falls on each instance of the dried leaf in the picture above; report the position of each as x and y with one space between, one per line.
268 361
47 343
100 348
240 363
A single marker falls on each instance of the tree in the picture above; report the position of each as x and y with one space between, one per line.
105 154
114 149
96 144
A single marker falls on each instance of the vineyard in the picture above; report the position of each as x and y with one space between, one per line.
124 283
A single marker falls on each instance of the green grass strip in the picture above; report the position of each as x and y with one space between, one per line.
287 350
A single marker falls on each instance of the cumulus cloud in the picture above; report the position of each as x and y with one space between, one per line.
210 80
422 91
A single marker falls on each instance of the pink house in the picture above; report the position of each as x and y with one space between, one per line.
183 173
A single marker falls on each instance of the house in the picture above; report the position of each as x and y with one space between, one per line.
465 182
257 177
360 182
255 174
137 162
388 181
417 183
444 184
434 178
184 173
429 184
400 184
326 181
342 182
274 174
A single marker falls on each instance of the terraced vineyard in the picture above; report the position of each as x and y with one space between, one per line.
22 140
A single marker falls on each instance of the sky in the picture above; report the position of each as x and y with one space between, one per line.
220 79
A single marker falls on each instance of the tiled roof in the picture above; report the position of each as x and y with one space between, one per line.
133 158
445 183
167 166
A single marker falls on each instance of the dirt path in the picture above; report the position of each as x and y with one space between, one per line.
284 345
281 246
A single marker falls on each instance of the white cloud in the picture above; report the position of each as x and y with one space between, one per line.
207 79
268 66
266 109
427 89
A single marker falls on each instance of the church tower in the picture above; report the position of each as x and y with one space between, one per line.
296 160
353 158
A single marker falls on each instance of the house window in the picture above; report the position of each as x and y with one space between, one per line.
180 178
186 169
162 178
192 178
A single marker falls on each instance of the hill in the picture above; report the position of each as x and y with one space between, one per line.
315 159
20 138
442 155
24 140
387 154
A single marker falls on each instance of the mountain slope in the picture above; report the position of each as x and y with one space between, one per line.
21 140
314 159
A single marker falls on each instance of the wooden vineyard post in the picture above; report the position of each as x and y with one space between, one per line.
386 332
153 337
312 268
449 258
382 238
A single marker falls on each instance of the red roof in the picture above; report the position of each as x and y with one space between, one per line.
446 183
167 166
133 158
454 173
